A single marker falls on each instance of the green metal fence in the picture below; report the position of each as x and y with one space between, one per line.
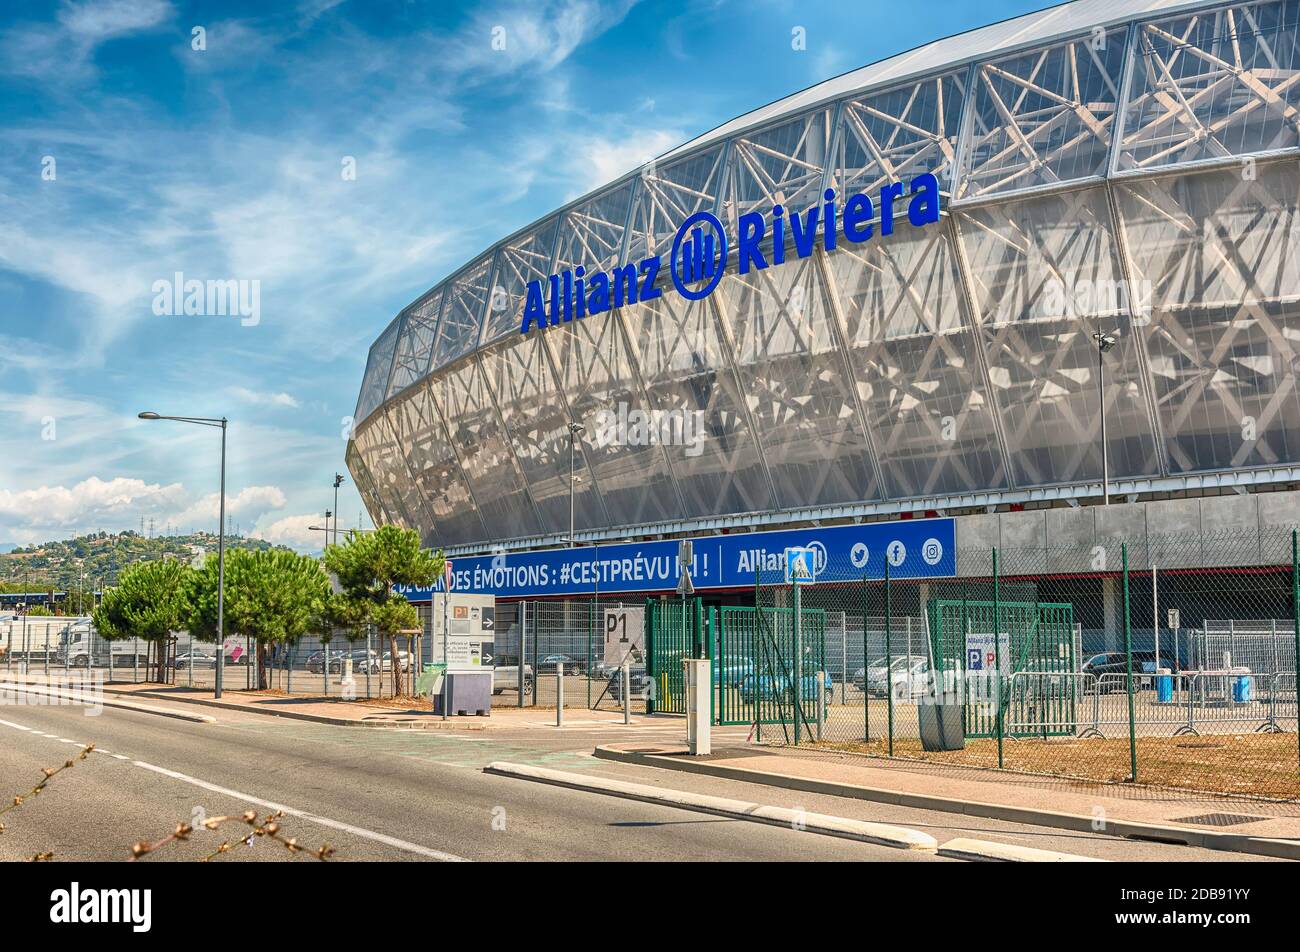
1171 663
754 664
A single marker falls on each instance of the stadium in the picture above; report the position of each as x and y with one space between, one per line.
1103 309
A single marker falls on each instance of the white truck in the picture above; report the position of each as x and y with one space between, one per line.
82 646
34 639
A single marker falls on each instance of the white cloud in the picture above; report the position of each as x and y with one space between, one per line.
600 161
91 502
292 531
251 501
280 399
46 512
63 51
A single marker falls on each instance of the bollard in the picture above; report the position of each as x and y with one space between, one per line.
559 694
627 693
821 702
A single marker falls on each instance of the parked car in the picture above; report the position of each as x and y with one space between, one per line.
638 683
505 677
571 665
908 677
337 658
197 659
766 687
1115 663
403 661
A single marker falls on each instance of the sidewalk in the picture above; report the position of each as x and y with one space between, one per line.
376 712
1264 827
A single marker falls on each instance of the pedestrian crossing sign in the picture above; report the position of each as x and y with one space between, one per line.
800 565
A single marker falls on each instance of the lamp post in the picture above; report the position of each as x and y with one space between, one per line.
1104 343
221 536
338 481
325 529
574 430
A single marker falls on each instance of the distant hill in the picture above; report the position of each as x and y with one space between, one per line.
101 556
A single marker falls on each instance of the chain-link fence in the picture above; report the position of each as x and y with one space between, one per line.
1174 664
533 639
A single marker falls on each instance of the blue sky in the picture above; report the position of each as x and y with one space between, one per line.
127 155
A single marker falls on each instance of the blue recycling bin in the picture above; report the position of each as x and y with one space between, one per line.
1241 692
1164 689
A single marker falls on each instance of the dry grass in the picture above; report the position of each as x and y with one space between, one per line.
1251 765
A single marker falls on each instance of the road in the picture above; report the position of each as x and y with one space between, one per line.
413 795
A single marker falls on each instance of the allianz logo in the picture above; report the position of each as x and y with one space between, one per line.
76 905
773 560
627 426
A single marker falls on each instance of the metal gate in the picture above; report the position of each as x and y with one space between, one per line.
1034 647
753 665
674 629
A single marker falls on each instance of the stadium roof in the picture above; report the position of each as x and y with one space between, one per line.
1066 19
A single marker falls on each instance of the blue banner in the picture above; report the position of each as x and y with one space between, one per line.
916 548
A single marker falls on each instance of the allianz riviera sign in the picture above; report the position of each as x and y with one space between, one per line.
700 252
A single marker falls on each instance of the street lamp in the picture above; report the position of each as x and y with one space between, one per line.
221 535
325 529
338 481
1104 343
574 430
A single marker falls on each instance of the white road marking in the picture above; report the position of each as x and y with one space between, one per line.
310 817
270 805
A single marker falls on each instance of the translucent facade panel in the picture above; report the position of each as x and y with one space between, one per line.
386 465
415 342
524 259
592 233
466 301
599 379
1219 83
1043 117
484 450
1047 277
668 195
916 363
374 384
435 470
535 414
684 364
895 135
796 383
365 485
1219 256
404 421
780 164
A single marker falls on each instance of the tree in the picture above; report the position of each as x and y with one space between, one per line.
148 603
370 565
272 596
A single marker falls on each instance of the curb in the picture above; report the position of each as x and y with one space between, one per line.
120 705
988 851
300 715
882 834
1130 829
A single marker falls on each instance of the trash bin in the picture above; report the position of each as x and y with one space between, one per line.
1241 690
1164 687
465 692
941 725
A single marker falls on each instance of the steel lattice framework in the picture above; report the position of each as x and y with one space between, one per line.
1110 165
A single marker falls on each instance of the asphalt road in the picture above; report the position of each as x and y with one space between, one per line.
412 795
